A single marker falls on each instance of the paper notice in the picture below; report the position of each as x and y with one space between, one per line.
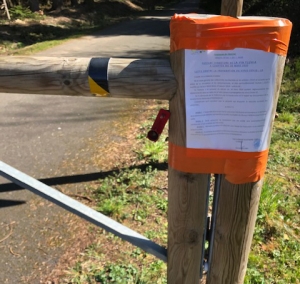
229 97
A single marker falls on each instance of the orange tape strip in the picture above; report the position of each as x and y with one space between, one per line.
225 33
238 167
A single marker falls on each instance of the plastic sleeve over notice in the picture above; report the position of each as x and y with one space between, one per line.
209 32
225 33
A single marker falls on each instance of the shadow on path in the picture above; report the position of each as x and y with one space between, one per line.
80 178
9 203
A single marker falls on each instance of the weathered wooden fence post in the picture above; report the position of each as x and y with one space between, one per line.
233 8
190 166
229 74
236 213
238 205
187 196
235 221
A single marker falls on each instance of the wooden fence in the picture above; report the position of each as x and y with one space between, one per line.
156 79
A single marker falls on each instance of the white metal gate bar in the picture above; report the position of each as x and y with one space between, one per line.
82 210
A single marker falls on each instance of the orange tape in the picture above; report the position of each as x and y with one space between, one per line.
238 167
225 33
202 32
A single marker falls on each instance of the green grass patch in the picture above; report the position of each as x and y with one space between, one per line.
131 194
275 255
41 31
37 47
22 13
137 197
120 273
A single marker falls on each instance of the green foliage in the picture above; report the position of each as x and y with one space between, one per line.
130 187
286 117
254 274
132 196
162 204
110 207
289 102
84 19
21 13
156 273
122 188
154 151
150 151
118 274
276 252
270 201
289 99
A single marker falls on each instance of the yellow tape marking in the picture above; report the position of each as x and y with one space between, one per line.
96 89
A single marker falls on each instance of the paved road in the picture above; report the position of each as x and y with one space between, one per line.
40 134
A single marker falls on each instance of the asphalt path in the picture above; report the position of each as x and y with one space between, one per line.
39 134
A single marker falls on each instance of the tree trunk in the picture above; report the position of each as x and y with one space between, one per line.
9 3
34 5
56 5
74 3
6 9
88 2
151 5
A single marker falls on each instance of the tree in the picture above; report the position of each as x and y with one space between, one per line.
34 5
56 5
74 2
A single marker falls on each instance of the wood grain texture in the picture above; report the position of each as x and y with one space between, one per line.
187 197
127 78
141 78
235 221
233 8
238 205
44 75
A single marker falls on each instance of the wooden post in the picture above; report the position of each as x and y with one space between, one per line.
153 79
237 208
187 197
233 8
235 220
127 78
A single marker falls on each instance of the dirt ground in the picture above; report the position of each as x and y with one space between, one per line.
119 153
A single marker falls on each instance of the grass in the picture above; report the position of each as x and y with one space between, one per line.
120 273
137 197
275 255
29 32
22 13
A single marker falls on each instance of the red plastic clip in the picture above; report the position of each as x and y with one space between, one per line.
158 125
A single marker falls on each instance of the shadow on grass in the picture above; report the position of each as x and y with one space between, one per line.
80 178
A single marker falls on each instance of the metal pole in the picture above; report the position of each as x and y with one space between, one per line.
203 266
82 211
214 216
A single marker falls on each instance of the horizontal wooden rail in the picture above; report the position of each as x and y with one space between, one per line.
126 78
